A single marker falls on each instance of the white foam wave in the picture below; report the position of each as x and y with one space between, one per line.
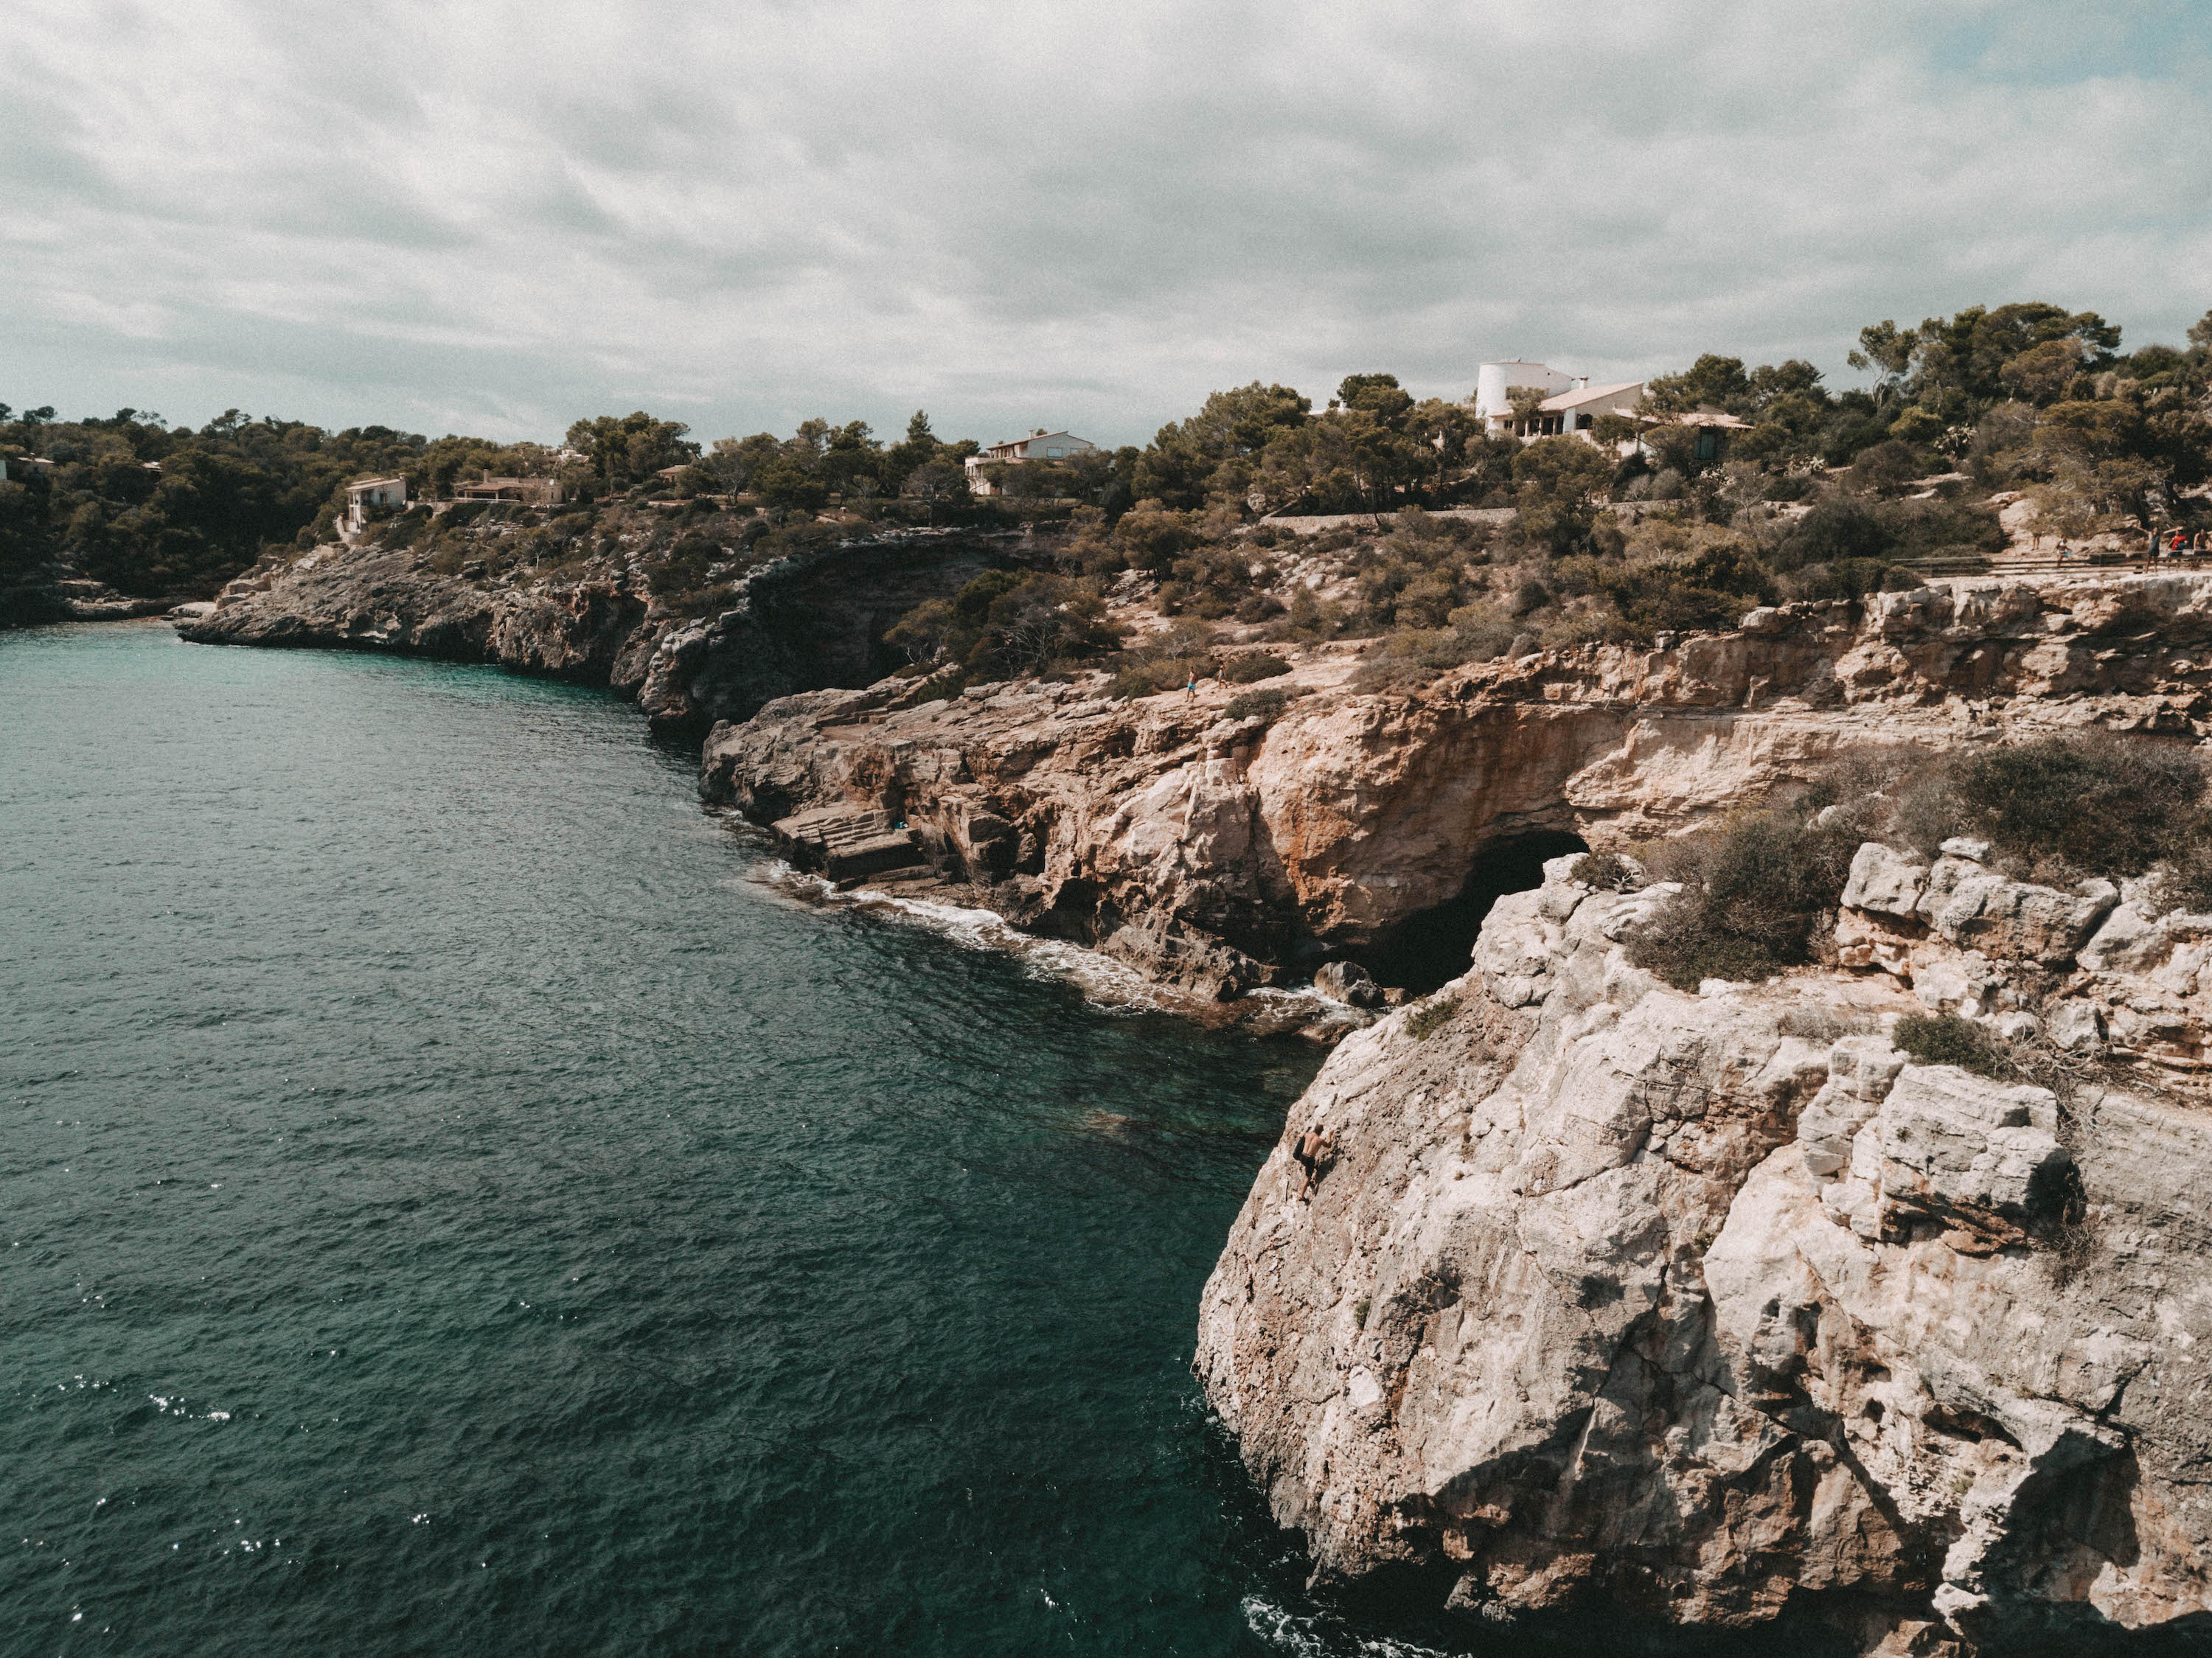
1108 984
1316 1635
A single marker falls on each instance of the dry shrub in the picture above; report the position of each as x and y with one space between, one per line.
1259 664
1266 703
1756 891
1947 1039
1430 1016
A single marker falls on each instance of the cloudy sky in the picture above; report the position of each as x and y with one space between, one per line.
491 217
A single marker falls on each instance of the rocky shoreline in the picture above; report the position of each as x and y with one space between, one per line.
1715 1308
811 618
1217 853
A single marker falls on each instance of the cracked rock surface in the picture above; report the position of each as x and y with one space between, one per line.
1712 1306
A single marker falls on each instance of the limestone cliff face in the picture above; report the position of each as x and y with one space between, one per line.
1714 1306
1221 853
814 618
371 600
809 620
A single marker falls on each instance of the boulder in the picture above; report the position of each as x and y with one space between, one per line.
2016 920
1966 1150
1885 882
1348 982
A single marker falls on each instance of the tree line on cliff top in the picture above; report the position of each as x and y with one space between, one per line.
155 509
1819 494
2024 395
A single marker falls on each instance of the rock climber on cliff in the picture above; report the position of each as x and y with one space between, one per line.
1314 1151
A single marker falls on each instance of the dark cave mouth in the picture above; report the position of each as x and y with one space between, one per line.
1432 948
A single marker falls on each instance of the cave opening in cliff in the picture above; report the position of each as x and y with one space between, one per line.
1431 948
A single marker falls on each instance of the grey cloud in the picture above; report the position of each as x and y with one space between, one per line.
520 214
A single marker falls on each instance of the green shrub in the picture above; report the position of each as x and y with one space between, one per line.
1947 1039
1430 1016
686 568
1148 678
1005 624
1708 592
1260 664
704 601
405 530
2104 805
1755 893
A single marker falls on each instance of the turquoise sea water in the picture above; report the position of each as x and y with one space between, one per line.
453 1201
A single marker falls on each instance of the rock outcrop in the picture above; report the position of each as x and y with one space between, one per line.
1715 1308
1222 852
374 598
39 594
811 619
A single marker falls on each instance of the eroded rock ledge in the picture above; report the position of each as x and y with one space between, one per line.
1219 853
809 619
1716 1307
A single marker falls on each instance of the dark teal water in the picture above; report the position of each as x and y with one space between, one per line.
451 1203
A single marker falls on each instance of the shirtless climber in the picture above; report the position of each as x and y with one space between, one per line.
1314 1149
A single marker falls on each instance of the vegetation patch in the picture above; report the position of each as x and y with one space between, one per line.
1606 871
2064 807
1757 893
1258 666
1266 703
1005 624
1947 1039
1760 890
1432 1016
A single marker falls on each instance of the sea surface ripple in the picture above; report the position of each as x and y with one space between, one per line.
453 1201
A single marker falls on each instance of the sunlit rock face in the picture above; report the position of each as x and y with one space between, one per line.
1706 1307
1222 852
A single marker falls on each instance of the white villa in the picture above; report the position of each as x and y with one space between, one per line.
1038 446
370 493
1573 405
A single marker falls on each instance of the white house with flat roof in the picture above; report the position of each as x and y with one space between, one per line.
1038 446
1571 403
372 493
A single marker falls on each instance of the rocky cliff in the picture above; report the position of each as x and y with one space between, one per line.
578 603
38 594
1714 1308
1218 852
1720 1307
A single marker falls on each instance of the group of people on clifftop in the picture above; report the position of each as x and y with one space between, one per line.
2161 545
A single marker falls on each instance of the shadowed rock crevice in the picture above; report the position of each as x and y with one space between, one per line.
1431 948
